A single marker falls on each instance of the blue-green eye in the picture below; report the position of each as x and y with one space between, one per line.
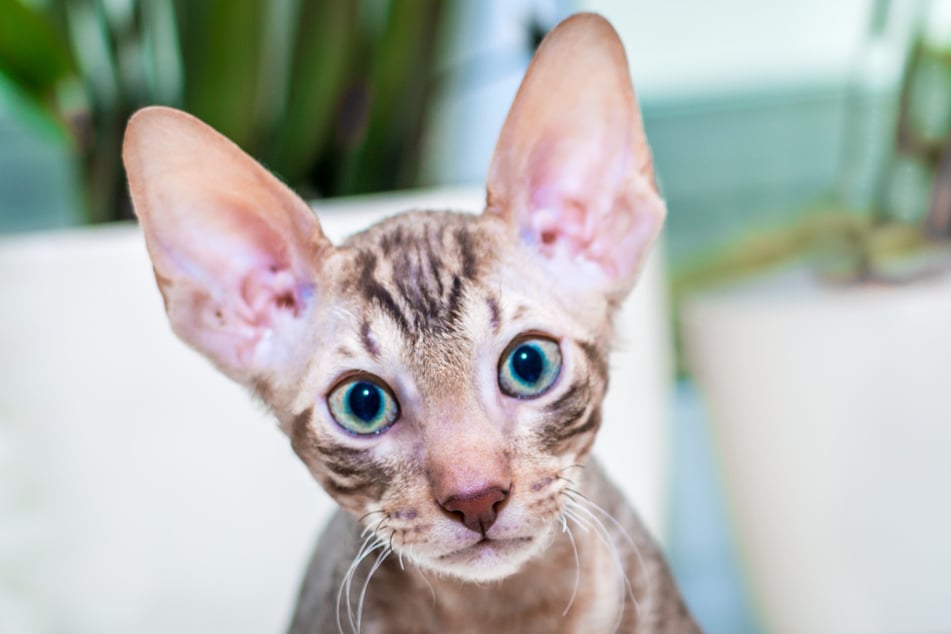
529 367
362 405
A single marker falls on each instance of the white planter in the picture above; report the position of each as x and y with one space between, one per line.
831 412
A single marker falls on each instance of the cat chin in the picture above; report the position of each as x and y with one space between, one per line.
491 560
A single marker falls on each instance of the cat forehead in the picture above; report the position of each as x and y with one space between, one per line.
455 239
420 268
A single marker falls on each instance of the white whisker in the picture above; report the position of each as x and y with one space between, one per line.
354 623
432 590
574 549
581 498
374 527
370 544
568 468
582 523
346 577
648 581
366 582
605 537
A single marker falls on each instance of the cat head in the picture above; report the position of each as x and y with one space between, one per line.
439 374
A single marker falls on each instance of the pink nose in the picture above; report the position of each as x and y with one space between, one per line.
477 510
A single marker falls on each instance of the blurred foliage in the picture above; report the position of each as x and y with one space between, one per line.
840 245
905 231
329 94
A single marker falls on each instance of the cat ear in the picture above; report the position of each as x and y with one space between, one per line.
572 171
235 252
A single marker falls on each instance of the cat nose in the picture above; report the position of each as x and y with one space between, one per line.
477 511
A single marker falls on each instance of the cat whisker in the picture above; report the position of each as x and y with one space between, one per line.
414 558
588 526
604 536
368 514
582 523
574 549
355 623
571 466
583 505
570 482
370 544
570 485
584 512
422 575
400 554
627 590
345 582
366 582
580 497
375 527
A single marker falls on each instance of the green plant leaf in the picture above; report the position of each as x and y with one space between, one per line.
31 52
222 45
324 51
399 88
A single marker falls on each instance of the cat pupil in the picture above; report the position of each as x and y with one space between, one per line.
365 401
528 364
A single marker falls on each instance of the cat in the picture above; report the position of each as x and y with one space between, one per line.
440 374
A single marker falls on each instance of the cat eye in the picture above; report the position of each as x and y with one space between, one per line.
362 405
529 366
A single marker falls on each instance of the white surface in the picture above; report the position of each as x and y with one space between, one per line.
830 412
141 491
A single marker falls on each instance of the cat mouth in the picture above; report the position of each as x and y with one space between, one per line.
487 559
487 547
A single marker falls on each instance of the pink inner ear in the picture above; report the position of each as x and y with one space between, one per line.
230 324
268 290
586 203
232 279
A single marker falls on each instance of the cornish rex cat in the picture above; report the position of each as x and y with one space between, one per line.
440 374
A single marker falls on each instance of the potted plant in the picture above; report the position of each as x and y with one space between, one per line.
331 95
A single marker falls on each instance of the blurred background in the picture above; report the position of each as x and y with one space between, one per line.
804 149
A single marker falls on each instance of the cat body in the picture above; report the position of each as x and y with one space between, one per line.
440 374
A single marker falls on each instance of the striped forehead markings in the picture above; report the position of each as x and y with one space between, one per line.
418 276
